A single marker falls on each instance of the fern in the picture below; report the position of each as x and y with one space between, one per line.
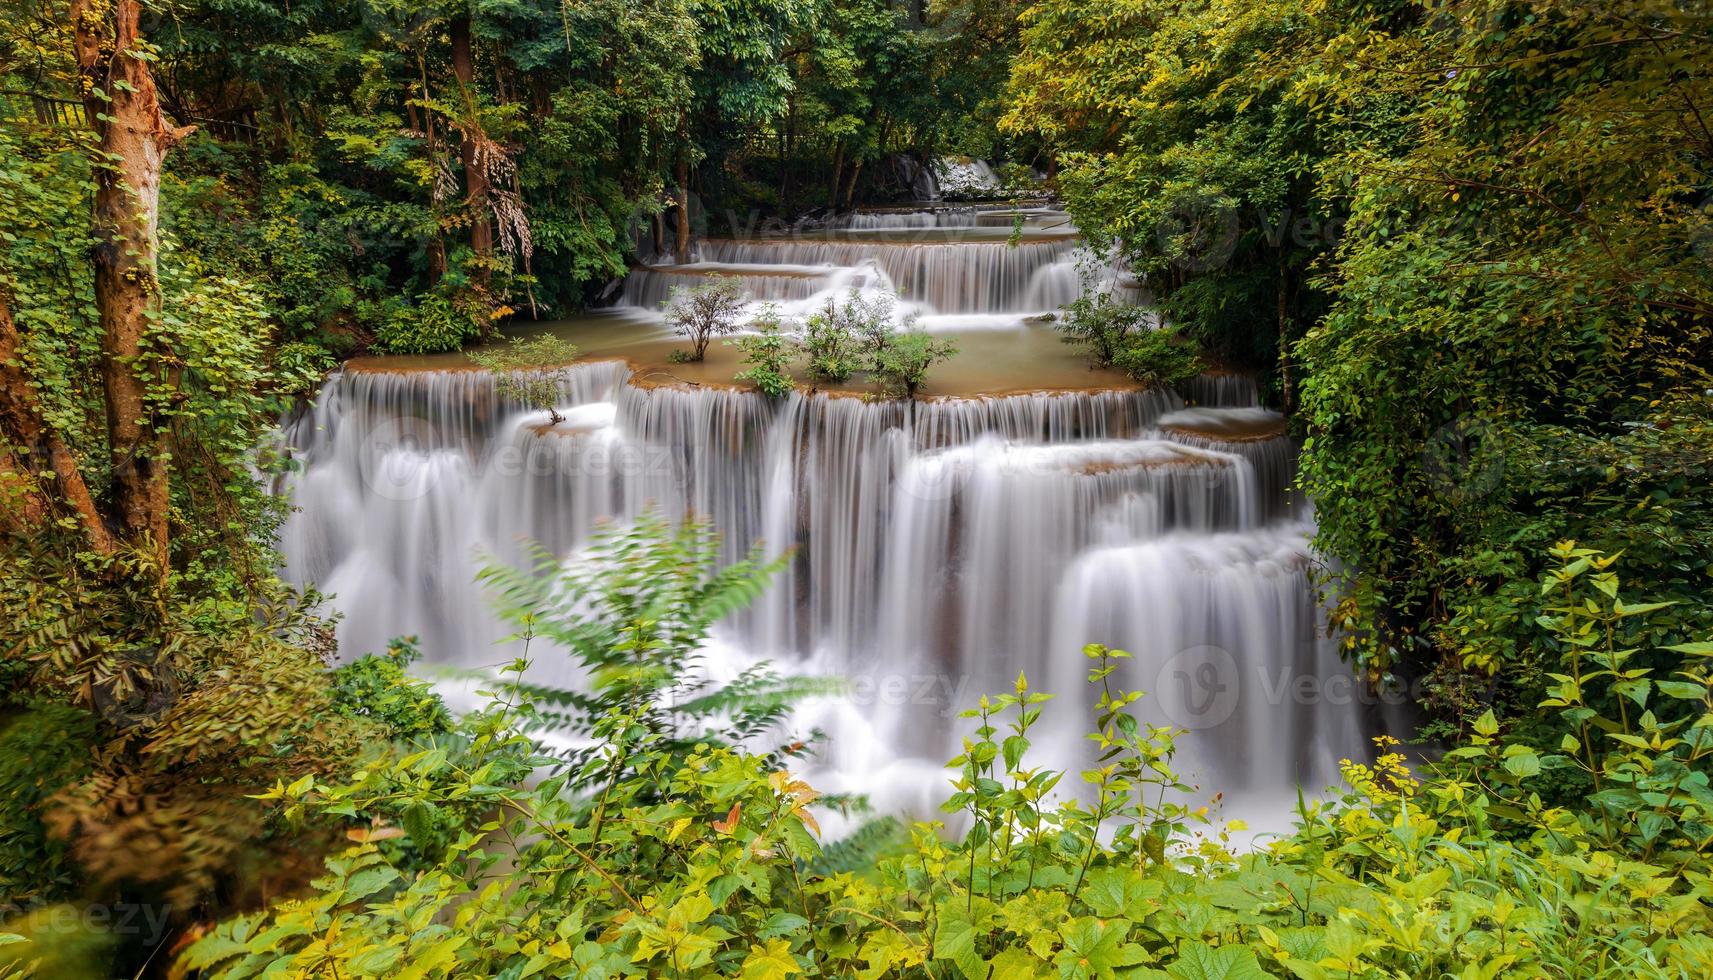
862 850
635 611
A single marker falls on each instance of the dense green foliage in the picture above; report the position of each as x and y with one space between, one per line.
669 854
1180 146
1465 244
1120 335
1469 238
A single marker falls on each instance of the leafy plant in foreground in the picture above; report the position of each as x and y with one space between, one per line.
634 611
701 861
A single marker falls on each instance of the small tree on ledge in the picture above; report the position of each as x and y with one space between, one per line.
530 371
712 309
901 364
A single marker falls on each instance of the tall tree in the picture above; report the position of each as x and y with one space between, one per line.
132 140
475 150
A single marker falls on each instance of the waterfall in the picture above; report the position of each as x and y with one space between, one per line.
941 276
650 287
937 548
1227 639
955 266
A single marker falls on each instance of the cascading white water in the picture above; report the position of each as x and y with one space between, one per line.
1229 643
1256 434
652 286
928 218
942 276
955 216
991 266
1080 271
939 548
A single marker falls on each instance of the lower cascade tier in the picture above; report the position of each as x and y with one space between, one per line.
937 549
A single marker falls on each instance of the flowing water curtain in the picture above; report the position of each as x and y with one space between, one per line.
934 549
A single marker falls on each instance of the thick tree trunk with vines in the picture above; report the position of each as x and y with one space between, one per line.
133 140
475 169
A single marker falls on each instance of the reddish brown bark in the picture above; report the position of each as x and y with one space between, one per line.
475 168
39 475
133 140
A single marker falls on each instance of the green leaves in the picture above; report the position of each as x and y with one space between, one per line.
772 961
1120 892
1094 948
1199 961
529 370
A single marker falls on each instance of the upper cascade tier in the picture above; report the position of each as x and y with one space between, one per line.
941 276
1002 263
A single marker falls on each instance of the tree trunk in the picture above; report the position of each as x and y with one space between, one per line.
838 178
850 190
436 246
475 168
30 450
681 173
133 140
1288 395
787 189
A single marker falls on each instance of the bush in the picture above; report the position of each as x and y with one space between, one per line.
768 354
1159 358
170 710
44 746
833 339
531 371
712 309
1101 325
378 688
901 364
433 325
